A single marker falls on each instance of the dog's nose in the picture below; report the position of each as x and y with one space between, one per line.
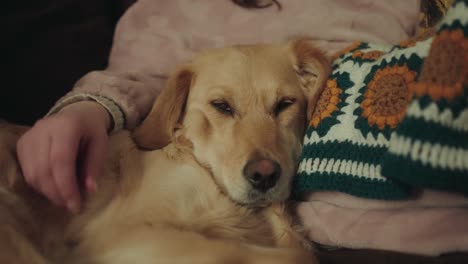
262 174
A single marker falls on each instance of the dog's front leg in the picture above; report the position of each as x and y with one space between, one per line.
286 231
17 231
147 245
15 248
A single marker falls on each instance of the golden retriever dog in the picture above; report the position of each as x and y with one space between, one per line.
202 180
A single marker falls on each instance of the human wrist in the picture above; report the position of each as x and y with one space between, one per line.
91 109
117 116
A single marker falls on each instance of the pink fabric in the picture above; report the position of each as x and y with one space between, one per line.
134 92
174 30
156 35
430 224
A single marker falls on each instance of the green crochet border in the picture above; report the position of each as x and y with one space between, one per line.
357 186
344 150
418 174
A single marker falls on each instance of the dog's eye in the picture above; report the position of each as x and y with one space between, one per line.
283 104
222 107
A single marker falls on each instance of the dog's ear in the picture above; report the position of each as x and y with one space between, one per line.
157 128
312 68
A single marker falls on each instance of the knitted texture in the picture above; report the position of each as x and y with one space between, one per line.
393 118
118 119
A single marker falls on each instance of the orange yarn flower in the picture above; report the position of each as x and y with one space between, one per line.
422 35
327 103
387 96
370 55
445 70
346 50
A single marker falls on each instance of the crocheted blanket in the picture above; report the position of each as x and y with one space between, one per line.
393 119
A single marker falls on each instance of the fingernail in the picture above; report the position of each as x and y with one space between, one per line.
91 185
73 207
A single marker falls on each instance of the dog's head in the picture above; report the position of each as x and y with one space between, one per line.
244 110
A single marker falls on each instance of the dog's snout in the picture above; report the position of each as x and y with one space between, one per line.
262 174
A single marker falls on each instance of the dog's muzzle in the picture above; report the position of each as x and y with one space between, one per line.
262 174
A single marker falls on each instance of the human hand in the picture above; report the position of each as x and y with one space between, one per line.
62 150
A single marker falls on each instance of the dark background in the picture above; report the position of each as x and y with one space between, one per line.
46 46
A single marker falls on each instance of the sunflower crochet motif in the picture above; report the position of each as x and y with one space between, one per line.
387 96
327 103
393 119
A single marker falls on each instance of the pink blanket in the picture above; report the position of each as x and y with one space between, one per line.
431 224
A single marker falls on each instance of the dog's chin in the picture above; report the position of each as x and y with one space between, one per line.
254 198
243 194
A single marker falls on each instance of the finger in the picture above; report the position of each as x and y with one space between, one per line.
45 181
95 155
24 160
49 189
25 148
32 155
63 156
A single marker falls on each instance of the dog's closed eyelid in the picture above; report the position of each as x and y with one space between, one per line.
222 106
283 104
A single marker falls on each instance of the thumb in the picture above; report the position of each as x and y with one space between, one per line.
94 158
